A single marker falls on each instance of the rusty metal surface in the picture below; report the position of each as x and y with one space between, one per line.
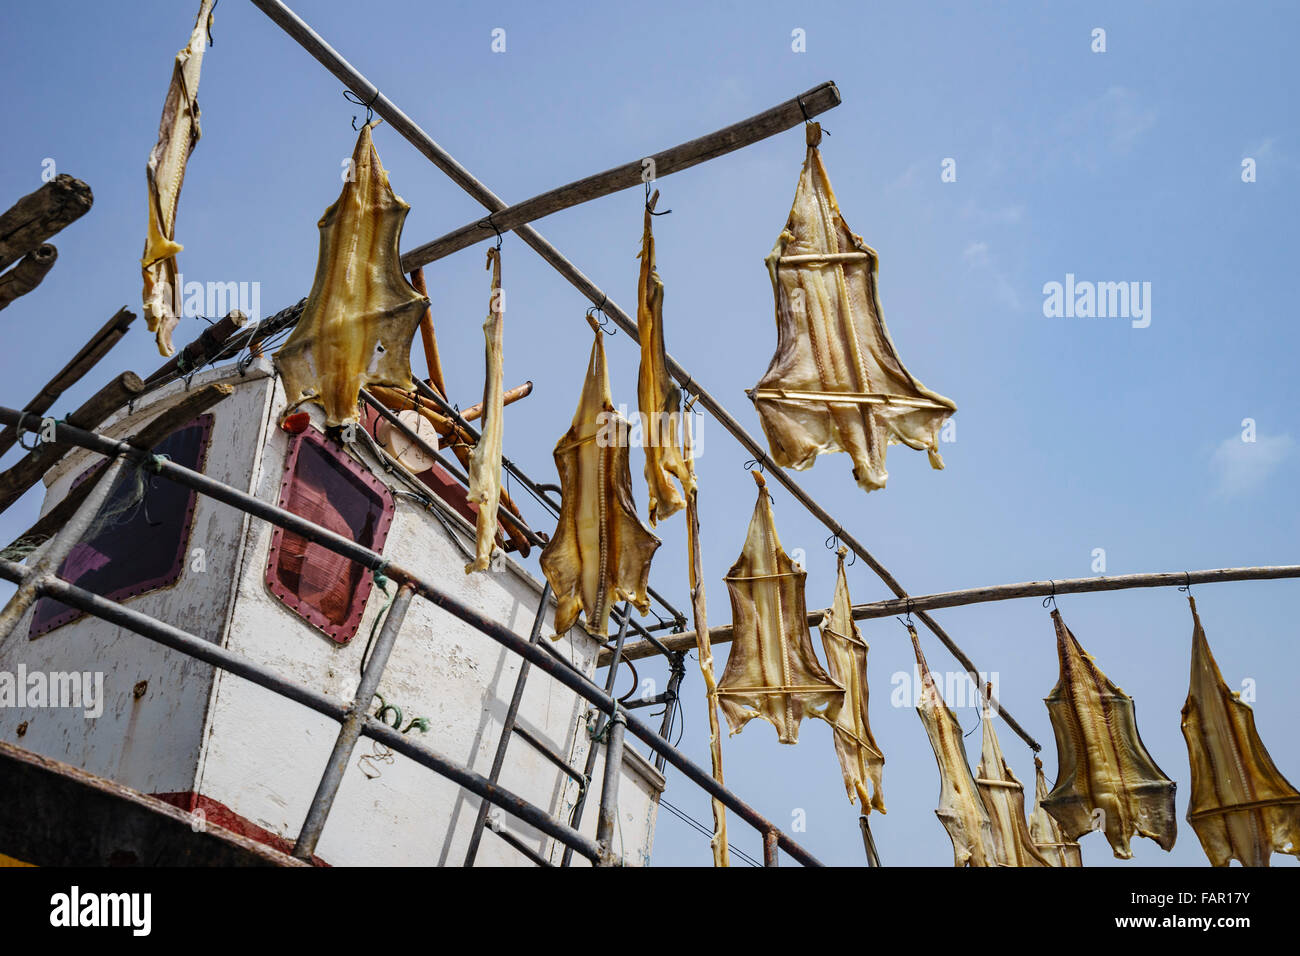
52 814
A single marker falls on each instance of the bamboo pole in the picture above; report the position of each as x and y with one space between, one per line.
511 396
998 592
16 480
432 360
40 214
27 275
293 25
81 363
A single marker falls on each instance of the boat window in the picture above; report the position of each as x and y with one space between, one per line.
138 540
329 489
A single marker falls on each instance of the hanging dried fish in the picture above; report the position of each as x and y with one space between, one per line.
601 551
1105 775
1004 798
178 134
361 315
772 671
846 659
961 810
658 398
485 462
836 382
1241 806
1046 832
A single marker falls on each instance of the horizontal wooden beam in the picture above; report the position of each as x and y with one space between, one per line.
778 119
27 275
81 363
985 595
40 214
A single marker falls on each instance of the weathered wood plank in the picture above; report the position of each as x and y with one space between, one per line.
40 214
27 275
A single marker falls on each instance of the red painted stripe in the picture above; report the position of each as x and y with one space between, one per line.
221 815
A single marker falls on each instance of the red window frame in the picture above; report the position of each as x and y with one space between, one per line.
365 483
39 626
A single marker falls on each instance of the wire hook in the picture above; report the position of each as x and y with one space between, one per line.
1051 598
804 110
647 203
357 101
907 623
1187 587
488 223
754 463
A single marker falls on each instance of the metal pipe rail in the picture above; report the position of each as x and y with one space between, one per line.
375 562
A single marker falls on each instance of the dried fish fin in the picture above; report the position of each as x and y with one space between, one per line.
836 382
600 553
485 462
1004 798
1103 763
1046 832
658 398
846 660
361 315
961 810
772 671
178 134
1241 806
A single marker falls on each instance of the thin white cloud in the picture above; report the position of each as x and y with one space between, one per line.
1116 119
979 258
1241 467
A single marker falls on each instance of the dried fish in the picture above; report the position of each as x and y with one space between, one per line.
485 462
772 671
1004 798
658 398
1106 779
178 134
961 810
836 382
1241 806
846 659
601 551
361 315
1046 832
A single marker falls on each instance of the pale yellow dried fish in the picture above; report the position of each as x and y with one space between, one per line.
836 382
772 671
178 133
658 398
846 659
961 809
1241 806
601 551
361 315
1004 798
1046 832
485 462
1105 779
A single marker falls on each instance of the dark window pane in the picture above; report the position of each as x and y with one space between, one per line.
330 490
139 538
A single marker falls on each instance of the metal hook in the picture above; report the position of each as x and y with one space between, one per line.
489 224
1051 598
603 322
1186 588
369 107
647 203
754 463
804 110
908 623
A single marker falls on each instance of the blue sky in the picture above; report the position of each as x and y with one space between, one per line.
1072 433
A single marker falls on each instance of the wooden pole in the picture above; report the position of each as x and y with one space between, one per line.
778 119
196 354
27 275
475 411
15 482
40 214
432 360
81 363
998 592
287 20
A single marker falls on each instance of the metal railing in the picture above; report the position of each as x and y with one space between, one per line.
40 579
